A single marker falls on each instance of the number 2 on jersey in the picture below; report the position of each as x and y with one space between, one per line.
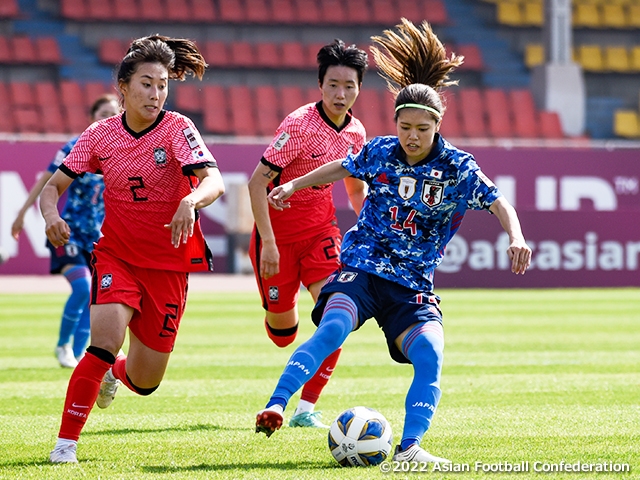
135 186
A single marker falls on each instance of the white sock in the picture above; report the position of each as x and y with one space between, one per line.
304 406
64 442
276 408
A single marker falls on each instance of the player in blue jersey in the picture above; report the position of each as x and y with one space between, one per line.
84 212
419 189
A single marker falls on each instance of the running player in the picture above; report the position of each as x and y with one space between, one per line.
301 245
83 212
157 174
419 189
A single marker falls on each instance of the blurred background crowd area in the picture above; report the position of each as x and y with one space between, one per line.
56 56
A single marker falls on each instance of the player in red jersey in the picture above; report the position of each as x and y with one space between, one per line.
157 174
302 244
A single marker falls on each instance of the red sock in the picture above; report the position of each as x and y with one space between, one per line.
82 392
119 371
313 388
281 337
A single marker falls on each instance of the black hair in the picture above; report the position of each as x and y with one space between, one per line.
337 53
101 100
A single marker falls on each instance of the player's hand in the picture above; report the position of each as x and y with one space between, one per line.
269 260
57 230
17 226
279 194
520 255
182 223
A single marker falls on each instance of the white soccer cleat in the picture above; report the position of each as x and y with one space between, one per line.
108 389
65 357
65 453
416 454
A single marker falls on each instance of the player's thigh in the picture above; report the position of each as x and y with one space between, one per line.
284 320
109 325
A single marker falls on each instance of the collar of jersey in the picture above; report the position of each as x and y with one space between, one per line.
142 133
324 117
438 146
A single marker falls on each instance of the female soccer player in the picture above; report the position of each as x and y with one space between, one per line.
301 245
83 212
419 189
157 174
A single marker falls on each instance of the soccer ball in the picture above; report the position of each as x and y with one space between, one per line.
360 436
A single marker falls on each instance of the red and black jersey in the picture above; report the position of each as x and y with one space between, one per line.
146 174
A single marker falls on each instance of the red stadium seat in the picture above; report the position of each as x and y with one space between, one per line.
52 119
217 54
384 12
472 113
6 53
333 12
74 10
291 98
241 110
27 120
387 107
358 12
203 11
282 11
188 98
9 9
435 12
126 10
268 55
99 10
312 50
241 55
24 50
257 11
152 10
307 11
6 120
215 115
368 110
47 94
48 50
94 90
293 55
267 110
451 126
111 50
77 118
179 11
21 94
472 56
498 113
233 12
71 94
550 126
524 113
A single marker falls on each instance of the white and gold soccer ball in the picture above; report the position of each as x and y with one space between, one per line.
360 436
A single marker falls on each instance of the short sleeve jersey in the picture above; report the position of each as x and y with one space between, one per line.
146 174
411 211
305 140
84 209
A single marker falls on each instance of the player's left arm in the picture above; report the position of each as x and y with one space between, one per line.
519 252
57 230
357 191
209 189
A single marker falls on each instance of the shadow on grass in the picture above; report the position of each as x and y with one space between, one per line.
159 469
182 428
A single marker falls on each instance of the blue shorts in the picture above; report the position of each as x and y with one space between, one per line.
69 254
395 307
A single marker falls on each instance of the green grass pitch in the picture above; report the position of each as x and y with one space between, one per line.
544 376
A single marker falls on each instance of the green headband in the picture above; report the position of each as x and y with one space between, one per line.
423 107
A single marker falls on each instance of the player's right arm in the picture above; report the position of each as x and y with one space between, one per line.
18 223
57 230
269 255
327 173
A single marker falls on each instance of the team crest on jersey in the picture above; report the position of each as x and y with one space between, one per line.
160 156
106 280
281 141
432 193
346 277
274 294
407 187
192 140
71 250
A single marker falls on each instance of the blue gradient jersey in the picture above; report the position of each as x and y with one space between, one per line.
84 209
411 211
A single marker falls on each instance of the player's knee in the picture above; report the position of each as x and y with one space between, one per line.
141 391
282 337
333 331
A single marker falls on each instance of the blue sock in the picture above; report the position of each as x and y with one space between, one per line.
79 278
424 347
338 321
82 332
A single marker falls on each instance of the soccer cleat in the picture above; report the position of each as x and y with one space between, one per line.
64 453
268 421
65 357
108 389
416 454
307 419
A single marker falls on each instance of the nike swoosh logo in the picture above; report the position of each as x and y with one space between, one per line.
78 406
316 155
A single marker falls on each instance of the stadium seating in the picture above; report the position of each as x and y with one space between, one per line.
626 123
23 49
9 9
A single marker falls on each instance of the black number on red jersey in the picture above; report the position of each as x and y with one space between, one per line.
169 319
138 184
